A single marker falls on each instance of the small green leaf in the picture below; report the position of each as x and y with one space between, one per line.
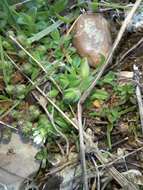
55 35
109 78
27 68
10 89
67 19
76 61
53 93
94 5
20 89
33 13
84 68
59 6
42 154
100 95
64 81
71 95
109 129
34 112
113 114
61 122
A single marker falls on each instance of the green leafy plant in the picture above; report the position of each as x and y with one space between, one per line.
40 27
125 92
112 112
28 20
43 130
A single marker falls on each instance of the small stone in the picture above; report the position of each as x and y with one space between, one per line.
17 162
92 37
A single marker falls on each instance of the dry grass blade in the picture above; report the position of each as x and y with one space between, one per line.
121 157
72 26
21 3
131 49
119 62
7 125
120 178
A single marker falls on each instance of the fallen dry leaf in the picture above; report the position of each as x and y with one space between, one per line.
17 77
97 104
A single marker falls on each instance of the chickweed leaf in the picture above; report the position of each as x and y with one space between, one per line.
59 6
71 95
100 94
55 35
84 68
109 78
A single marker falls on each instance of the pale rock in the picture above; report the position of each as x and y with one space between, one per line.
92 37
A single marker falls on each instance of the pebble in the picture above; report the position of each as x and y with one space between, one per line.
92 37
17 161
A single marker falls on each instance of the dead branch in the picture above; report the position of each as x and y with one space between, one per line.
120 178
119 62
138 94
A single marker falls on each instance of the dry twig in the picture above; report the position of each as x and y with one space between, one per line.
119 62
7 125
121 158
138 93
131 49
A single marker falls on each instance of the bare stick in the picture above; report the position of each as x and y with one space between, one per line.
121 158
138 94
7 125
120 178
127 53
82 147
131 49
97 173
